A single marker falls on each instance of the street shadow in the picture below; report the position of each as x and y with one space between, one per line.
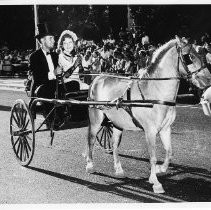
181 184
139 190
184 182
5 108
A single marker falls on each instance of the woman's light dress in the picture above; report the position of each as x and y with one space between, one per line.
66 62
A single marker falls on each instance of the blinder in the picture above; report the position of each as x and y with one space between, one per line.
187 59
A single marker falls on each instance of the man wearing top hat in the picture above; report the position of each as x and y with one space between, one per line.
44 65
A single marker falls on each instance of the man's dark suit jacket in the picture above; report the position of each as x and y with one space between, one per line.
39 68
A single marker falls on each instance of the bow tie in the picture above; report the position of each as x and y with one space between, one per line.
48 53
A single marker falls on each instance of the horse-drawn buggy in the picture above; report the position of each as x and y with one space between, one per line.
117 103
25 117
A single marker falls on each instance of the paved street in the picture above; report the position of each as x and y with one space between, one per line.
15 84
57 173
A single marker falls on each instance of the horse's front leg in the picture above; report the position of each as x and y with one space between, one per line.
117 164
151 139
165 136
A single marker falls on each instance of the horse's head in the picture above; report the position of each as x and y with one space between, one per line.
192 65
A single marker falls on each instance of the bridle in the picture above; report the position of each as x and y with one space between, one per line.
186 60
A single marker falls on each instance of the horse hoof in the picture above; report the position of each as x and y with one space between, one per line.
160 169
158 189
90 168
120 174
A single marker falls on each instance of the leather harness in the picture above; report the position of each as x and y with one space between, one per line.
120 102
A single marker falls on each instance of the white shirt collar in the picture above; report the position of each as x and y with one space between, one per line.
45 53
51 74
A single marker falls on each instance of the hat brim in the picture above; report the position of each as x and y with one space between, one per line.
39 36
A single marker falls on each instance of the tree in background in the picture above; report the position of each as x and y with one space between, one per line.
160 22
17 26
97 20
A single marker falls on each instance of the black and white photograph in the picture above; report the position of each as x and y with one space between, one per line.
105 103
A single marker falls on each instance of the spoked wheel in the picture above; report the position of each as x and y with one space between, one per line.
104 135
22 132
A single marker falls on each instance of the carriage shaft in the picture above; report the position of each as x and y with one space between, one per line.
58 102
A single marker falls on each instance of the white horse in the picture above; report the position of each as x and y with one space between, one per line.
160 83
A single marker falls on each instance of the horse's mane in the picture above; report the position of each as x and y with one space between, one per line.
158 55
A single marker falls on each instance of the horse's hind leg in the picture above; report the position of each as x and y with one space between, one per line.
165 136
151 140
117 164
96 117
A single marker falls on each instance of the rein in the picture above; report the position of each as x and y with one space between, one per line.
127 77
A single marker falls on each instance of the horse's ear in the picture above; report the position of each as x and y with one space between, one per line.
181 41
178 39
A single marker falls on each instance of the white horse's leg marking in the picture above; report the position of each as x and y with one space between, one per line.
119 172
151 139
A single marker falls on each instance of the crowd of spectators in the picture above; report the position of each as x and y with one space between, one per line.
14 61
125 55
130 51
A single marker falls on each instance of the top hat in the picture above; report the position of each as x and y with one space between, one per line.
44 30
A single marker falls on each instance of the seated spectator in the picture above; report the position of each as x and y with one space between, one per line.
87 66
205 50
128 67
120 63
145 41
104 52
142 59
96 65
